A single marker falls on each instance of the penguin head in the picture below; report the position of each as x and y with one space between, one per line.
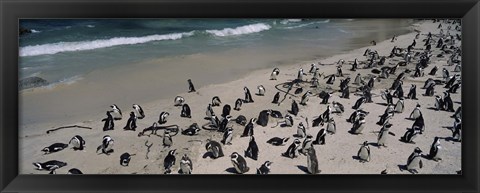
365 143
268 164
172 152
253 120
252 139
297 141
38 165
46 150
234 156
417 150
285 139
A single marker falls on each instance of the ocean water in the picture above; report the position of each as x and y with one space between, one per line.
64 50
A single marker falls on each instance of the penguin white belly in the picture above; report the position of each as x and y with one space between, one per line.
76 143
237 167
364 154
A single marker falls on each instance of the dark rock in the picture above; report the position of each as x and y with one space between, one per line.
23 31
31 82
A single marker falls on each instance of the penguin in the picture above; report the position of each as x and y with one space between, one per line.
169 161
288 121
74 171
294 109
312 68
167 139
359 102
107 145
451 80
300 75
385 117
186 165
416 112
312 162
131 123
400 105
238 104
226 110
305 97
457 130
428 83
275 98
216 101
248 96
331 79
339 71
438 103
239 163
214 148
49 165
109 125
412 94
138 111
345 93
241 120
324 96
388 97
162 119
356 115
363 153
433 71
227 136
125 159
331 126
409 135
448 103
224 123
371 82
191 88
435 150
382 135
458 113
354 65
252 149
458 68
191 130
292 149
116 112
275 114
445 73
263 118
419 124
274 74
277 141
248 131
454 88
414 161
265 168
209 112
77 142
185 111
301 132
178 101
358 126
54 148
261 90
338 107
358 79
320 139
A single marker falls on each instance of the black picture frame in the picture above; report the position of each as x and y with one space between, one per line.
11 11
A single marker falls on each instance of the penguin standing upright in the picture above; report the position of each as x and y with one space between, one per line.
169 161
263 118
214 148
300 75
358 126
301 133
109 125
399 106
186 112
248 131
345 93
312 68
331 126
167 139
416 112
261 90
414 161
412 94
248 96
275 98
435 150
216 101
227 136
433 71
448 103
131 123
320 139
138 111
305 97
419 124
107 145
238 104
363 153
116 112
252 149
226 110
239 163
312 162
382 135
358 79
359 102
191 88
438 103
294 110
307 144
186 165
331 79
274 74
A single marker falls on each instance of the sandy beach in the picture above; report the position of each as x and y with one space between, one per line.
337 156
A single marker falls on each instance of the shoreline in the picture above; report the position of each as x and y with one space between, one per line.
333 161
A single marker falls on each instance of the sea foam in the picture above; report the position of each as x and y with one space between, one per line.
246 29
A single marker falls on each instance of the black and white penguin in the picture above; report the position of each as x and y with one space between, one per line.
382 135
454 88
277 141
248 131
116 112
209 112
248 96
358 79
193 129
274 74
400 105
252 149
312 162
186 165
49 165
169 161
363 153
239 163
294 109
354 65
54 148
325 97
74 171
300 75
167 139
458 68
399 91
261 90
359 102
77 142
125 159
185 111
412 94
356 115
313 67
265 168
178 101
416 112
238 104
227 136
414 161
131 123
331 126
263 118
346 92
452 80
275 114
241 120
448 103
358 126
438 103
339 71
386 116
320 139
305 97
409 135
419 124
107 145
224 123
216 101
445 74
162 119
371 82
331 79
191 88
435 150
457 130
138 111
433 71
226 110
214 148
275 98
301 131
292 149
109 125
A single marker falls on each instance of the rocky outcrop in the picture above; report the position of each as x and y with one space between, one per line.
23 31
31 82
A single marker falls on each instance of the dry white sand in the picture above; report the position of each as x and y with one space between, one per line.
335 157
